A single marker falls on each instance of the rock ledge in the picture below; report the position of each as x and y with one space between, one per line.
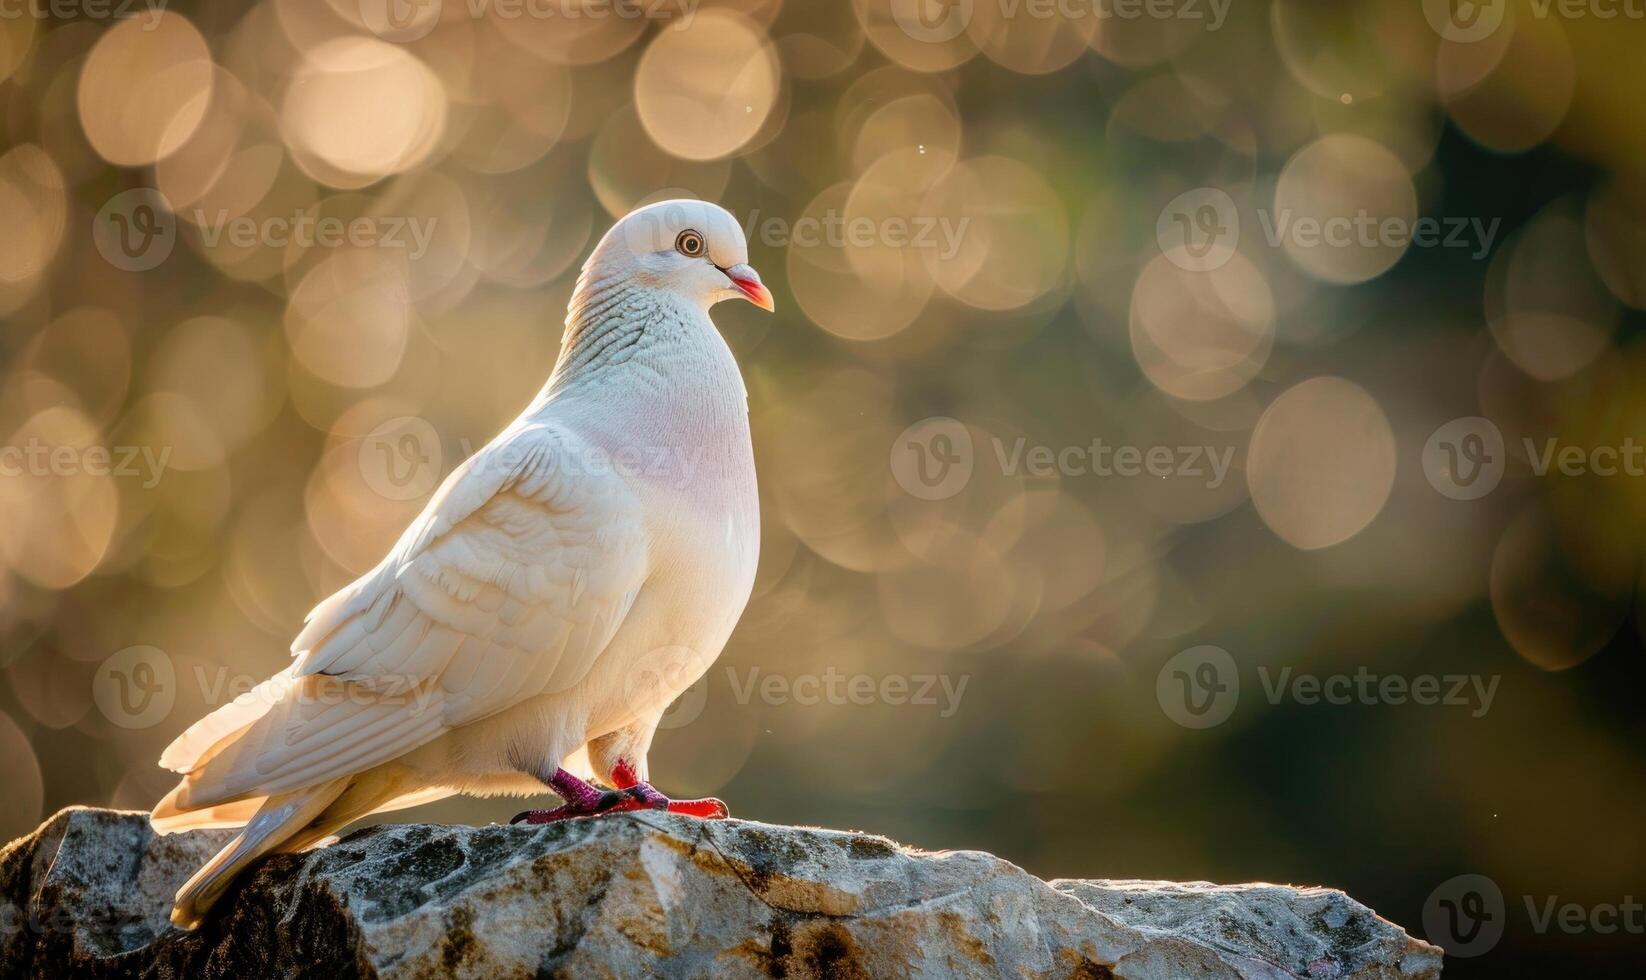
642 895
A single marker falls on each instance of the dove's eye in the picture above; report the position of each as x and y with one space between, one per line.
689 244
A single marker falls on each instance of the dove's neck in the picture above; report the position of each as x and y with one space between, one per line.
632 348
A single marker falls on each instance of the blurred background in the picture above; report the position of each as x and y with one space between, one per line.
1201 439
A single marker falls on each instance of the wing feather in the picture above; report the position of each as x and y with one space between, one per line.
509 584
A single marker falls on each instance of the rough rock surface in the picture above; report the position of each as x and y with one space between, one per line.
642 895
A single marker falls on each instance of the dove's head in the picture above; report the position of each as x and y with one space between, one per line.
691 248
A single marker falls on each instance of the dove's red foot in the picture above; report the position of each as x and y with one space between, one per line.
583 800
624 778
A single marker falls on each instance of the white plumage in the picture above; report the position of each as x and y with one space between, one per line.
561 588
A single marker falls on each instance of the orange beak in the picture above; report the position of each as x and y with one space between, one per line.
748 283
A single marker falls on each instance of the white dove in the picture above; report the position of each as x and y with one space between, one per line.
560 589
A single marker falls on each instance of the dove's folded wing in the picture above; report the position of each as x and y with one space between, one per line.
509 585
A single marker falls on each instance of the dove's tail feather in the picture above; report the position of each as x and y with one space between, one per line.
280 823
211 734
284 822
168 817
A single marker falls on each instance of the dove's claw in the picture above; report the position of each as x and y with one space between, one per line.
708 809
648 798
625 779
583 800
623 803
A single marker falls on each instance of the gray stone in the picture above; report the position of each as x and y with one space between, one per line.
641 895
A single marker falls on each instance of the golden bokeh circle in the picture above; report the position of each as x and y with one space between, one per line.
1201 335
358 109
1345 209
705 91
1321 463
144 88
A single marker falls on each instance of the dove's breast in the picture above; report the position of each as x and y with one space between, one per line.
706 535
675 422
